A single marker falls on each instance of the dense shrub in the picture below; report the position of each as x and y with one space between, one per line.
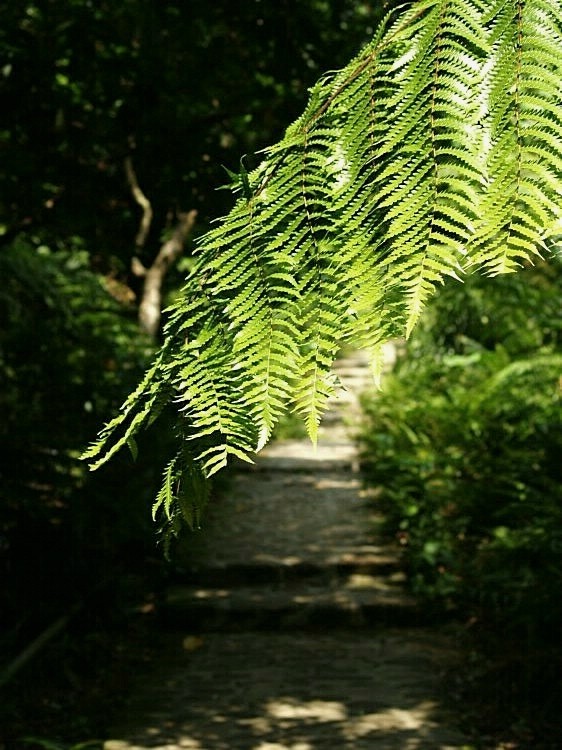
69 352
465 443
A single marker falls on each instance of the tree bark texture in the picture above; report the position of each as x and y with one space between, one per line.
150 308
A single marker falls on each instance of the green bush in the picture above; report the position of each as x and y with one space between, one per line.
69 352
465 443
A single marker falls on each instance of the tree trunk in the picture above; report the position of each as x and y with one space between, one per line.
150 308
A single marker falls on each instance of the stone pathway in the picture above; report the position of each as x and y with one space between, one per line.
293 631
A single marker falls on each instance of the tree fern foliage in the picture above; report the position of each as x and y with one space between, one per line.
436 151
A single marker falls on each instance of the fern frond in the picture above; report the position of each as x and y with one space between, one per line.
438 148
522 205
140 408
184 491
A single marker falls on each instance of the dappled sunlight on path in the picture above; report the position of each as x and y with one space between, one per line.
289 628
287 691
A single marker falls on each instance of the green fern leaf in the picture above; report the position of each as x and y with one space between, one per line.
437 149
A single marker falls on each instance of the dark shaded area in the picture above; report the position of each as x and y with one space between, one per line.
181 89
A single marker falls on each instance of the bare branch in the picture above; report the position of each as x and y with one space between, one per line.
137 267
143 202
151 302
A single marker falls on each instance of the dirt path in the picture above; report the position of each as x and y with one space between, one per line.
293 631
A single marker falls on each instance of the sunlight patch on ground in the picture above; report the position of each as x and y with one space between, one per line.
288 708
390 719
277 746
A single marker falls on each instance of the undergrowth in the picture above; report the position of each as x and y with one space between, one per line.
465 443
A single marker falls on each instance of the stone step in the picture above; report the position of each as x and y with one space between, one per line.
299 456
290 570
362 601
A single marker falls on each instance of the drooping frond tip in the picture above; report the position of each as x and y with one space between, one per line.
437 149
